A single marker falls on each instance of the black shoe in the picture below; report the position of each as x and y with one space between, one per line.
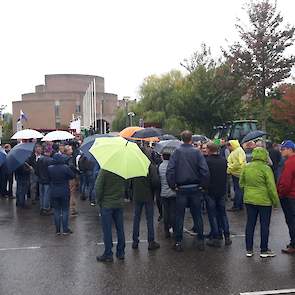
200 245
58 233
135 245
178 247
74 213
68 232
214 243
121 257
93 204
153 245
228 241
103 258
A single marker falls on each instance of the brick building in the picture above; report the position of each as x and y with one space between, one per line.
53 104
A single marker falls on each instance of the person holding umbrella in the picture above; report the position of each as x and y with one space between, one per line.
16 161
119 159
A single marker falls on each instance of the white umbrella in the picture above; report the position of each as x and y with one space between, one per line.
58 135
27 134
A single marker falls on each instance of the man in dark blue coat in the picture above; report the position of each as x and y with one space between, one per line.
187 173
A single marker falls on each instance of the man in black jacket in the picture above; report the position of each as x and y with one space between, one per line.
215 199
187 173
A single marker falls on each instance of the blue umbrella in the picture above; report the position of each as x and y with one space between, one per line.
88 142
253 135
3 156
18 155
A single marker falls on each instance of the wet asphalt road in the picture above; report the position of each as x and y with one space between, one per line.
34 261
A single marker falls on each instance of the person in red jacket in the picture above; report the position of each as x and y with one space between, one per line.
286 190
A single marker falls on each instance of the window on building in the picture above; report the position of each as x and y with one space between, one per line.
78 108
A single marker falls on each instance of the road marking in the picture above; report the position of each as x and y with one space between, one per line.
270 292
126 242
20 248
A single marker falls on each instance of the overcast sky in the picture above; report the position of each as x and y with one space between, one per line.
123 41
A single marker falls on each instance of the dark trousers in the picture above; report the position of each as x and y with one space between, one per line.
61 213
217 216
288 206
22 187
149 214
6 178
159 202
264 213
108 215
169 205
191 197
238 200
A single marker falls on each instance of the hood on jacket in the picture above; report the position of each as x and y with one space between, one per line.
261 154
59 158
234 143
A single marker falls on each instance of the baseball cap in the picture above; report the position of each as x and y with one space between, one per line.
288 144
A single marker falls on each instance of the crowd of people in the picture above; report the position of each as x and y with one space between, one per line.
197 176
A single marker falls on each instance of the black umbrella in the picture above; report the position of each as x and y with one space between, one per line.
202 138
253 135
148 132
18 155
167 137
88 142
167 146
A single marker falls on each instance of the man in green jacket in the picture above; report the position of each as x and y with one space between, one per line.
110 190
260 195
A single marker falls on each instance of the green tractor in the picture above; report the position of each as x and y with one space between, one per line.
234 129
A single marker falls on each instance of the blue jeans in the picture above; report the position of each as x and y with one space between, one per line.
82 183
193 198
288 206
61 213
238 200
217 216
22 187
264 213
91 189
107 216
44 195
149 214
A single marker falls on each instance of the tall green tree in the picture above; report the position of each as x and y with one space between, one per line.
260 55
160 97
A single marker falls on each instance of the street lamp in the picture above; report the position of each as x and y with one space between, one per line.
130 115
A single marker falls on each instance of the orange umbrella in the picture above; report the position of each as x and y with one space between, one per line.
129 131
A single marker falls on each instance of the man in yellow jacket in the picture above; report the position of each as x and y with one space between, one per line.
235 163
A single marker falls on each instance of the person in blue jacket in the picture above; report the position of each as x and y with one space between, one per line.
59 175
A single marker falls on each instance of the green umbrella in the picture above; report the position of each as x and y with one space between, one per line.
117 155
